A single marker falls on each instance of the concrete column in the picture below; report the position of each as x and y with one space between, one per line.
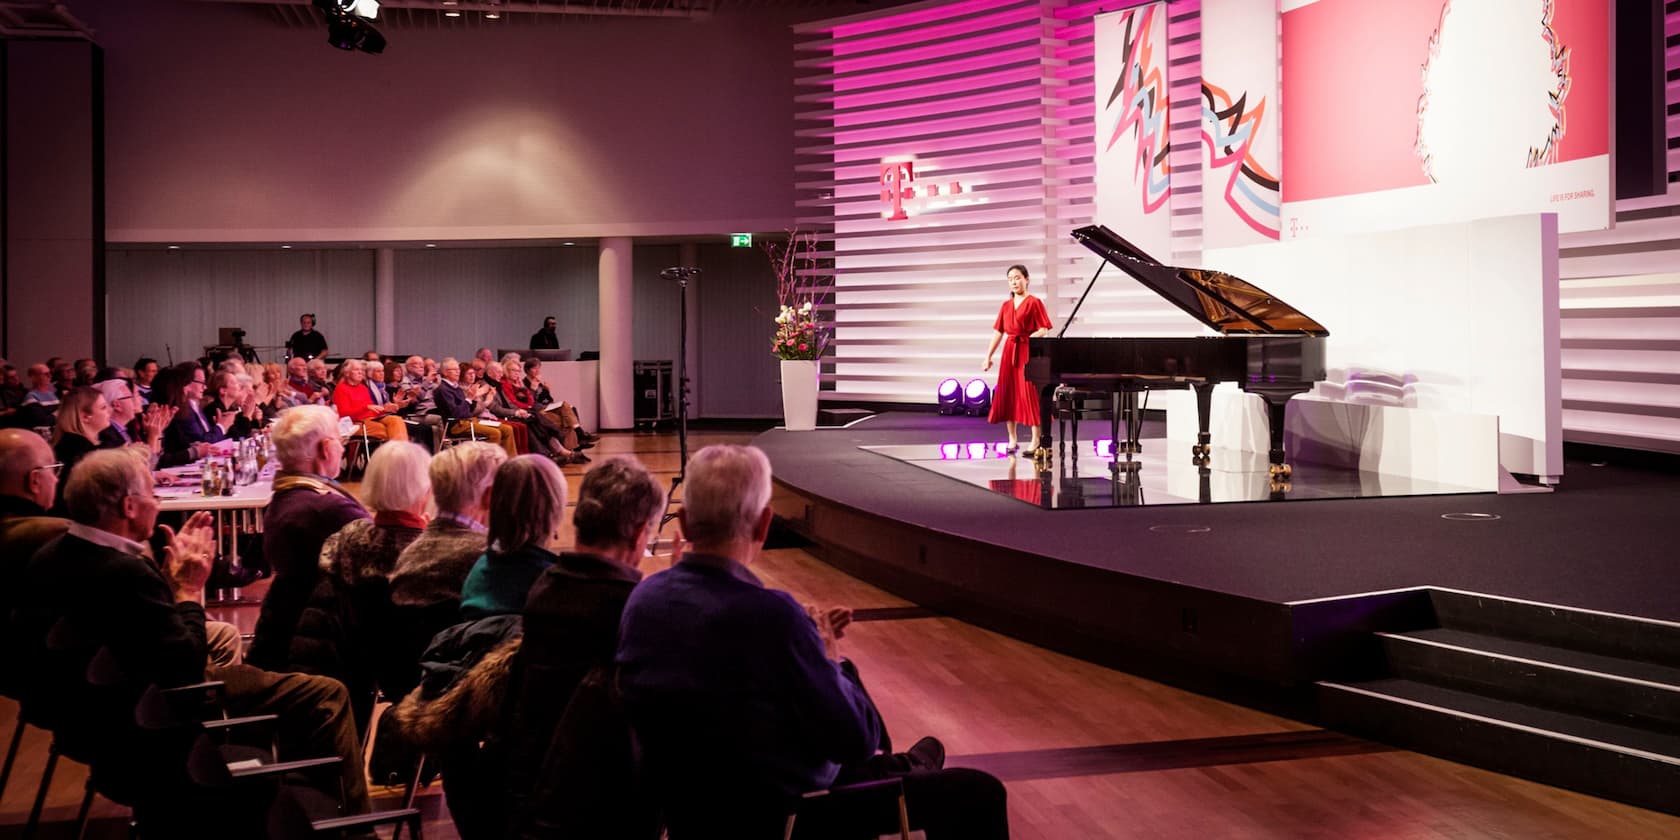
689 254
385 301
618 395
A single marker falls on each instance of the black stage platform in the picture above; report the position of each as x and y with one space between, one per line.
1226 591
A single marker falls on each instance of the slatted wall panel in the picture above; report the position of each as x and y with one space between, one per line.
1621 308
994 97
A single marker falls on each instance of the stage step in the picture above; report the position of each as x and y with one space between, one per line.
1609 688
1626 763
1606 634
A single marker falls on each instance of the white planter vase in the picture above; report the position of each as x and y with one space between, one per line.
799 394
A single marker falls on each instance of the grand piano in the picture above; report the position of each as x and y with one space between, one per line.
1266 346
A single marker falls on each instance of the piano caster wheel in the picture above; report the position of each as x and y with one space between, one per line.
1042 457
1200 449
1199 460
1280 486
1282 471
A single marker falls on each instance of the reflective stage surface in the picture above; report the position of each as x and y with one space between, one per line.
1160 475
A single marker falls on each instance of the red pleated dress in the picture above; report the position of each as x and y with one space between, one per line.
1013 398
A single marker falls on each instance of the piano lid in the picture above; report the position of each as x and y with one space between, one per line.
1228 304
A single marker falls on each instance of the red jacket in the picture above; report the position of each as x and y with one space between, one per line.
356 402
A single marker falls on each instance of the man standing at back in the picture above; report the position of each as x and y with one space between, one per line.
306 342
545 339
738 696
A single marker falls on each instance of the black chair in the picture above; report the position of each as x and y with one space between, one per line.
835 809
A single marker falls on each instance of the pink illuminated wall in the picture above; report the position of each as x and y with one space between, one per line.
225 126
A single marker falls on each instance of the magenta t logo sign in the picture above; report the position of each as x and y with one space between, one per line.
896 186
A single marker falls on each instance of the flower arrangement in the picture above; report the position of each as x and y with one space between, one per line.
799 335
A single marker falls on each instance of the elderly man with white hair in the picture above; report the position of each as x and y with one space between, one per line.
98 590
307 507
740 700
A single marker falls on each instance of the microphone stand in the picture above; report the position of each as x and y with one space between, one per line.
682 275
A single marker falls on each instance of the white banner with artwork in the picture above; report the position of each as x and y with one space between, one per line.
1132 128
1240 189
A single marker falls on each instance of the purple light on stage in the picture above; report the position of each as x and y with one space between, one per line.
977 451
976 388
948 451
1104 447
949 387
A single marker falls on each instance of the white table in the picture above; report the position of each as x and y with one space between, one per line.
237 513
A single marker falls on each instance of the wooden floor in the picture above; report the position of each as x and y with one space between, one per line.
1086 752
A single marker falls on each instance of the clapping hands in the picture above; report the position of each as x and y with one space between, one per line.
187 556
831 626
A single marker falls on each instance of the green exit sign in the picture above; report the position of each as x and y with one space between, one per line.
740 240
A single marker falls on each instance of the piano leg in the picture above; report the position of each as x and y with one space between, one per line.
1200 451
1275 405
1127 417
1042 456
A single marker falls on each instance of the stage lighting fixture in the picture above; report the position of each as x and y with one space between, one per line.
977 397
950 397
348 27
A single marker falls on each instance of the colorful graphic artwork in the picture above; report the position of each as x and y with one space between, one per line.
1137 105
1229 129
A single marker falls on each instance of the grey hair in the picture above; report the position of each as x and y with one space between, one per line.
527 503
461 474
103 479
396 477
728 488
298 432
618 498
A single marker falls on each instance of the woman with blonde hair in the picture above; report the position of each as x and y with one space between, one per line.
82 415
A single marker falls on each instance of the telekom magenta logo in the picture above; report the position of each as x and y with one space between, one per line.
898 185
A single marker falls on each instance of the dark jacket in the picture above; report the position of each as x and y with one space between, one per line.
584 772
452 402
545 340
69 450
187 429
432 569
24 528
303 513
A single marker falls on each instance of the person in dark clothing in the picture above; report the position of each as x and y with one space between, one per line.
82 415
308 507
432 569
98 589
739 698
528 505
190 434
306 343
580 782
28 485
545 339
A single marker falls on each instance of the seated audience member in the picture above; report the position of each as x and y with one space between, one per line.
301 389
28 486
737 695
63 377
485 355
128 424
145 370
40 402
11 387
433 568
354 399
231 364
307 507
191 433
516 402
273 393
234 396
563 414
432 370
99 582
85 372
575 779
343 630
81 417
528 505
321 378
373 356
462 412
306 342
545 339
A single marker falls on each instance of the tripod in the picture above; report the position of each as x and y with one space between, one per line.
681 274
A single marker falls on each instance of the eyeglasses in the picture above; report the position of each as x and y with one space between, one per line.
55 468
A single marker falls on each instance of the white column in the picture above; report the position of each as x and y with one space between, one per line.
618 400
688 254
385 301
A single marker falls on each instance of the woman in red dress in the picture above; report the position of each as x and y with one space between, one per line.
1021 317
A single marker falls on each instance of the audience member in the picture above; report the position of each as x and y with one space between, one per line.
128 424
81 417
485 355
86 373
63 377
320 378
11 388
40 402
306 342
528 504
739 699
573 435
398 491
373 356
307 507
145 370
433 569
462 412
98 581
355 400
191 434
235 396
545 339
575 779
273 393
375 371
28 486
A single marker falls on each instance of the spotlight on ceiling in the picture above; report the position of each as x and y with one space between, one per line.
348 26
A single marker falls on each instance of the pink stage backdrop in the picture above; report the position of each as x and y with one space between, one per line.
1133 126
1240 190
1410 112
